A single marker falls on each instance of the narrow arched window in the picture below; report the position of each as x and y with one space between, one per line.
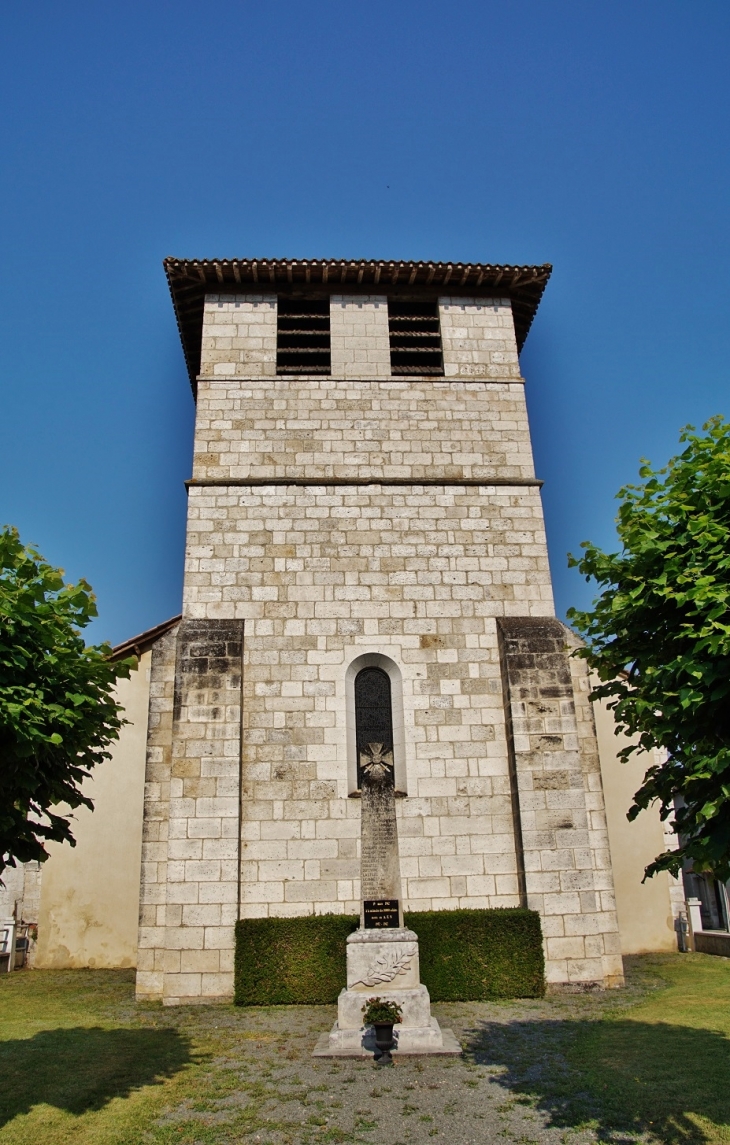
373 714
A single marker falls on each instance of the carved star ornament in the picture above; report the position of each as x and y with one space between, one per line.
376 763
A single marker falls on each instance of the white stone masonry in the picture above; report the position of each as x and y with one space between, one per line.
335 517
359 337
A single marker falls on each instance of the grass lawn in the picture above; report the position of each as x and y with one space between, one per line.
651 1061
80 1062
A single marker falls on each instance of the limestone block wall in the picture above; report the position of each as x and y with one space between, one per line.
151 951
377 558
322 576
567 866
394 428
331 518
202 860
239 336
359 336
478 338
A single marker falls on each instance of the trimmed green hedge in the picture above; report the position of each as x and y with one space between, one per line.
465 955
472 955
291 961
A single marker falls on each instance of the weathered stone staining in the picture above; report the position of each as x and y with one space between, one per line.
190 880
355 517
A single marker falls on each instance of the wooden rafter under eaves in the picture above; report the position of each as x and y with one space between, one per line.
191 279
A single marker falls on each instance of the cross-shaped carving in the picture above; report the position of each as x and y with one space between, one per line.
376 763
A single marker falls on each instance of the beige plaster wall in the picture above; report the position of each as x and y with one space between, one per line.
644 909
90 893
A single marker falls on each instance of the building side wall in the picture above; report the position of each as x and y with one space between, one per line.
645 914
20 898
90 892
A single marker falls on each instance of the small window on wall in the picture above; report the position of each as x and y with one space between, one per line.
303 336
373 715
415 338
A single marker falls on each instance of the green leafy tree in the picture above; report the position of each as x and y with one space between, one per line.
658 637
57 712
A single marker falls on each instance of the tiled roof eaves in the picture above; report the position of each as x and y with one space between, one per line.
138 645
191 279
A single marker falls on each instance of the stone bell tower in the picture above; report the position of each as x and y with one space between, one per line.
363 500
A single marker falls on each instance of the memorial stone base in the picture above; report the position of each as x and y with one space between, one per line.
384 963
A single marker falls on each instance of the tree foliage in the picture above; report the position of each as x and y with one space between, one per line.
57 712
658 636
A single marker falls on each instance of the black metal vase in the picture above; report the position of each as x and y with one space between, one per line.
384 1042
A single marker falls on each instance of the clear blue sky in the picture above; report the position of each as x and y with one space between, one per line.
589 134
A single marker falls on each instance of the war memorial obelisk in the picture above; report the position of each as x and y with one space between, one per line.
382 955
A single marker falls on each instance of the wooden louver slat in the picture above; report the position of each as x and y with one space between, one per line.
415 338
303 336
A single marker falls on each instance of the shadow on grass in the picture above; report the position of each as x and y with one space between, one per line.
83 1068
619 1076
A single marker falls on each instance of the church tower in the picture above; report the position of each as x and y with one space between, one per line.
366 564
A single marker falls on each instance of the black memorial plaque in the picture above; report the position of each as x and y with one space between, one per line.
381 914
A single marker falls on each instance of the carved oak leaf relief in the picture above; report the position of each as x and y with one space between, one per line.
387 966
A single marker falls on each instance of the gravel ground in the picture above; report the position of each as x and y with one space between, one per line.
267 1088
84 1064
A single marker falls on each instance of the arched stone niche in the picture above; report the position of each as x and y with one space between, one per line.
376 660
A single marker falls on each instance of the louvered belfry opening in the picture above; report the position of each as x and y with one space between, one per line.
415 338
303 336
